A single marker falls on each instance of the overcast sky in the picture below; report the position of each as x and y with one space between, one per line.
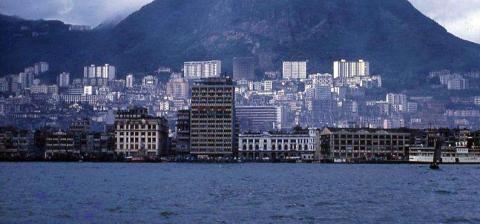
460 17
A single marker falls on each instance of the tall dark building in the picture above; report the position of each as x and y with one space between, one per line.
212 118
182 146
243 68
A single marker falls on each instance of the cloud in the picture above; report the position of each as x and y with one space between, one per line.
459 17
89 12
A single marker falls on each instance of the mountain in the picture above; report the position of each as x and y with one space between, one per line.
24 42
401 43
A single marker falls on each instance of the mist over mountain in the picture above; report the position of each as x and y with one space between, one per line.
401 43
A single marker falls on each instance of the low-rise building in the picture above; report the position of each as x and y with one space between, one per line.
296 144
139 134
60 145
15 143
345 144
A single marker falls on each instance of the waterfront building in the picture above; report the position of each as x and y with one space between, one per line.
138 134
294 69
212 118
202 69
14 143
346 69
182 146
259 118
63 79
278 145
348 144
60 145
177 87
244 68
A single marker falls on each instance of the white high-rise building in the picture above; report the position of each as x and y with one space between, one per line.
149 81
294 69
63 79
40 67
202 69
129 81
108 72
177 87
103 72
397 101
268 85
347 69
89 71
87 90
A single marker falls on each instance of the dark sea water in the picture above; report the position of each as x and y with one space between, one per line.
237 193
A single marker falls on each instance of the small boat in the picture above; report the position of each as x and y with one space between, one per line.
436 155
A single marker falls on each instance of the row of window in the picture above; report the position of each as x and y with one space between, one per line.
137 147
136 126
135 133
336 136
368 142
362 148
274 141
278 147
136 140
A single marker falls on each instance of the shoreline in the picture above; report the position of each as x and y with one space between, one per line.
231 162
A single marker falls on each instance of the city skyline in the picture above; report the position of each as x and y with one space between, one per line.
240 111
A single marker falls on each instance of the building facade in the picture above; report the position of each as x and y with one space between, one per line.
60 145
244 68
129 81
139 134
212 117
344 145
277 145
259 118
202 69
177 87
98 75
347 69
182 146
63 80
294 69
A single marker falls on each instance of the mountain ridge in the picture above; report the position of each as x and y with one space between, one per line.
401 43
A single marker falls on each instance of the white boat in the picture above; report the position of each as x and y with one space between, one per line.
457 154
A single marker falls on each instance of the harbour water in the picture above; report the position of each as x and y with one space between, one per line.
238 193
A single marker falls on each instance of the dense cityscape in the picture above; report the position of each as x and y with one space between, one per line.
200 113
239 111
